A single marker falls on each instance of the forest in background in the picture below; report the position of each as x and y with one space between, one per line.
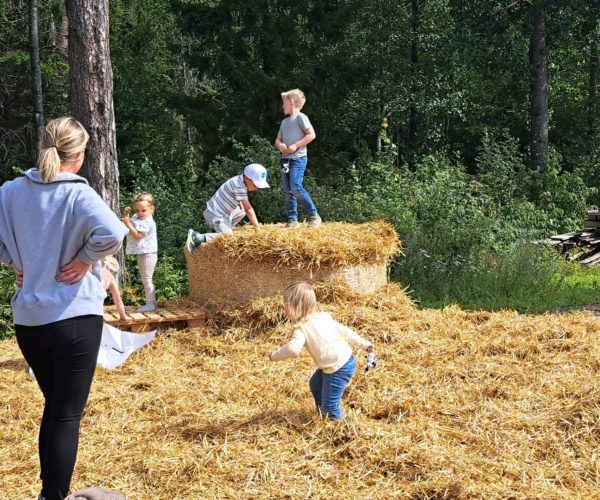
471 125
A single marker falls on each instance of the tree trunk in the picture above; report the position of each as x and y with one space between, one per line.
36 74
91 79
63 44
539 90
592 105
415 21
91 82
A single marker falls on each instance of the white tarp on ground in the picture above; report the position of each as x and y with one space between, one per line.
116 346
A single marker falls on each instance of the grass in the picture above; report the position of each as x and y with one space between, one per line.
521 282
580 285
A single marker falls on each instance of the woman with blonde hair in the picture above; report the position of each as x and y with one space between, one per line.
54 231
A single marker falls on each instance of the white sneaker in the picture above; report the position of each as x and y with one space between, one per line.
314 221
150 306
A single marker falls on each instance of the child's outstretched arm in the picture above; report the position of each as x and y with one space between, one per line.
138 235
250 213
352 337
116 296
291 349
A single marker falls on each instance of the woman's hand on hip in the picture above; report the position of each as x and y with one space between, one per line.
18 275
73 272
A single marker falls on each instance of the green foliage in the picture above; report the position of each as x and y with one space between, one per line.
17 147
7 290
562 195
15 57
170 281
467 238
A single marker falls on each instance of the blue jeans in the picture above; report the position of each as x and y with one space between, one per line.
328 388
291 183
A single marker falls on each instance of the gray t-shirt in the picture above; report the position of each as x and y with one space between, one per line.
292 129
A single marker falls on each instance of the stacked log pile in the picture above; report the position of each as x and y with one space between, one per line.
581 246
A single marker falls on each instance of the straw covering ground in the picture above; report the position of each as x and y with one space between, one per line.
464 405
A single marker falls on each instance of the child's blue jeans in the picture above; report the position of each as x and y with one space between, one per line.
328 389
291 182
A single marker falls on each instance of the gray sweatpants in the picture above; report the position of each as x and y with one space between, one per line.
222 225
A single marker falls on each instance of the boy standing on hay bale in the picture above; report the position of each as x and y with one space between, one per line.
295 133
230 205
327 342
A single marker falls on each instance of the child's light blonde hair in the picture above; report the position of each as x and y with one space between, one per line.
147 197
296 96
111 264
300 301
63 137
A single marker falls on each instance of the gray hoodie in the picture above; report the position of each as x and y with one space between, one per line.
44 226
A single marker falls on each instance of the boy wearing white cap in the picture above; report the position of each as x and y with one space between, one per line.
229 205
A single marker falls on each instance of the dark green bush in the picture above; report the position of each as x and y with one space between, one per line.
7 290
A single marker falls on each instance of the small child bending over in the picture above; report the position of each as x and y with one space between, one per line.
110 270
143 242
326 341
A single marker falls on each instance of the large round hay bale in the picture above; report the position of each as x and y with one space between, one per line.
250 264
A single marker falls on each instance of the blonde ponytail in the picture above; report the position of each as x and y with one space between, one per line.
49 164
64 137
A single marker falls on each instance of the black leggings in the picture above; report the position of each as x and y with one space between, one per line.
63 357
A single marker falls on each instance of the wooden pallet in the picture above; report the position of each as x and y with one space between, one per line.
581 246
143 322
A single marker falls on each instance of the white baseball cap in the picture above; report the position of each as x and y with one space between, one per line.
257 174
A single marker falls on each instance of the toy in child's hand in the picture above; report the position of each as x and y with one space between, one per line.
371 361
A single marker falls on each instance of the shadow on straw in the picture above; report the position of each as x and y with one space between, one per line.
296 420
13 364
